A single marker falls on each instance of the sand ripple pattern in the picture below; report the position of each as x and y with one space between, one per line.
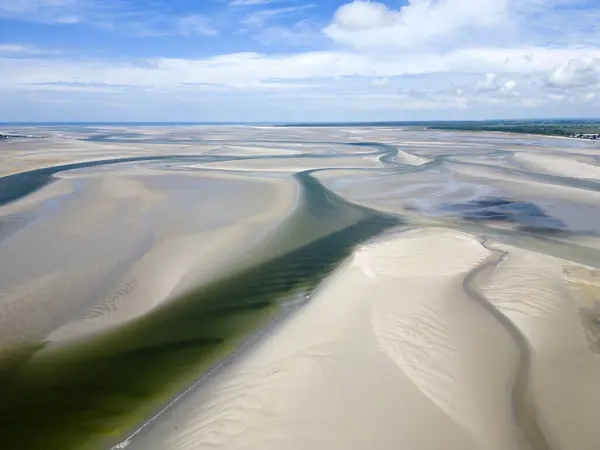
392 341
531 291
387 347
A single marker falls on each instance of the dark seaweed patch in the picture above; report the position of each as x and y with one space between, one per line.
526 214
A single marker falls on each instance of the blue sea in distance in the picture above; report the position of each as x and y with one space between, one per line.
136 124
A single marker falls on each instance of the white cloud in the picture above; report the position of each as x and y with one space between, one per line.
489 84
261 17
255 68
362 15
14 48
20 49
508 87
576 72
54 11
589 96
301 33
365 24
446 24
120 16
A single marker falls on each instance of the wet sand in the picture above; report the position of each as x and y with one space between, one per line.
447 281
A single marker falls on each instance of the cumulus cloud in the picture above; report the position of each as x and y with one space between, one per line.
576 72
508 87
489 84
493 87
365 24
364 15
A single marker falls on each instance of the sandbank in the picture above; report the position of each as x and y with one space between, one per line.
568 166
532 290
293 165
122 245
390 349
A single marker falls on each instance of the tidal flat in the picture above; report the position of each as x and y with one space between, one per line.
333 288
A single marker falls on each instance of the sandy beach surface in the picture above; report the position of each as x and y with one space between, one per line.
384 345
229 288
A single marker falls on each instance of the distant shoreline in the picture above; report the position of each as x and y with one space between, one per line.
376 123
583 129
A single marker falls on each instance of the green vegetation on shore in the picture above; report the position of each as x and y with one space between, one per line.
582 129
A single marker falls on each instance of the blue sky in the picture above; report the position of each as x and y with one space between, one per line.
291 60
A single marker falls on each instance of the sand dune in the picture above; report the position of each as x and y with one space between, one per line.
413 160
390 344
158 254
530 289
568 166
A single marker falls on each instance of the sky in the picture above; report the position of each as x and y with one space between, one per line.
294 61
